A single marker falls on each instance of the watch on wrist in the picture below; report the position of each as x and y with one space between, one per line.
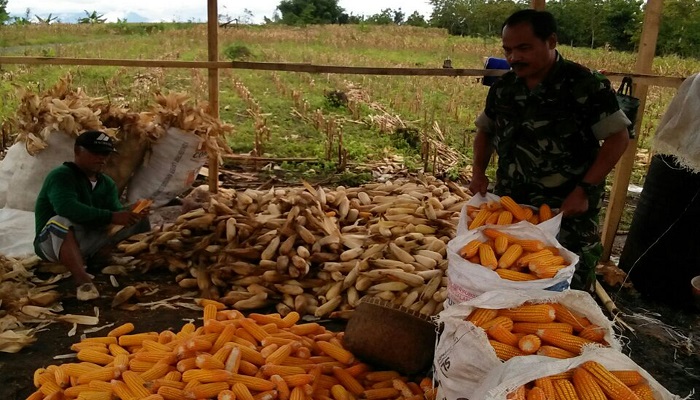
588 188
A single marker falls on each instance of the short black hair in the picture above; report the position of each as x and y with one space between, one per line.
542 22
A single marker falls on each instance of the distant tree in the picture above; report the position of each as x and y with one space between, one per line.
300 12
4 16
48 20
679 32
416 19
92 18
398 16
24 20
623 23
385 17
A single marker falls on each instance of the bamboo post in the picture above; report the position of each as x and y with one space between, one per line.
623 170
537 4
213 52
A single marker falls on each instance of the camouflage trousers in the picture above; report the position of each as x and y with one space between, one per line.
581 236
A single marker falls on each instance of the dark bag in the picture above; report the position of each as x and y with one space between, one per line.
628 104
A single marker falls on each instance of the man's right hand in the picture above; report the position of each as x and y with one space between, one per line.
125 218
479 184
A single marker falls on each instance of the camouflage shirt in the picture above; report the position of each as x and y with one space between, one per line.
548 137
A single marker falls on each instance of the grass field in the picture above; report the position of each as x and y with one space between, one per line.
283 114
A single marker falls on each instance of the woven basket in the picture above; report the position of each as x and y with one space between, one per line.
389 336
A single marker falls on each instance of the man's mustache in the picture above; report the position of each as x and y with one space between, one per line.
518 65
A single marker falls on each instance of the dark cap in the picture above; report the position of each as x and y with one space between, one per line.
96 142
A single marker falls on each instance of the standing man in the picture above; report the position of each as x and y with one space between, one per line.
75 207
546 119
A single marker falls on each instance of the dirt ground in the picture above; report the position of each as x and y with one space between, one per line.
662 340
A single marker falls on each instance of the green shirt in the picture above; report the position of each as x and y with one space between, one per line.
548 137
67 192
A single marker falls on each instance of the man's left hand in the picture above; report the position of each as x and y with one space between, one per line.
576 203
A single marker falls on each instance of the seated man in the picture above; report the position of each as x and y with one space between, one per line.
75 207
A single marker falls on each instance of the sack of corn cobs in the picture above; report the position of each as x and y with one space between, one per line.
501 324
518 256
599 373
491 209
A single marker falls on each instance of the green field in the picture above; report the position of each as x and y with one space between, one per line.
301 114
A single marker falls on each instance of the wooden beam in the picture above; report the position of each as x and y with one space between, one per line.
213 80
623 170
537 4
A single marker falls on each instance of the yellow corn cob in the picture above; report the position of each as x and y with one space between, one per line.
205 302
290 319
121 362
276 340
505 218
505 352
297 393
487 257
564 390
241 391
166 337
545 271
61 377
530 313
155 356
100 386
115 350
250 355
173 376
534 220
586 387
164 382
629 377
531 245
479 219
121 330
282 370
36 395
548 260
268 395
171 393
517 394
75 370
96 357
281 386
227 395
526 258
348 381
159 370
554 352
512 275
136 339
511 254
183 365
122 390
104 340
505 321
306 329
224 337
299 379
536 394
247 368
492 218
566 341
381 385
545 212
470 249
209 312
252 383
385 393
269 349
279 355
480 315
206 375
563 314
595 333
527 213
611 385
339 393
135 383
501 334
303 352
474 260
74 391
207 390
336 352
103 374
643 391
501 245
509 204
222 354
50 387
545 384
207 361
533 327
529 344
95 395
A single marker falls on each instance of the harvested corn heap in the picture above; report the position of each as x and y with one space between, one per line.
230 356
314 251
505 212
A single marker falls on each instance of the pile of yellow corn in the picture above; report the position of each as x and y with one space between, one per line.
505 212
259 357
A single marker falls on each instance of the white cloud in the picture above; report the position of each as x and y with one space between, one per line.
183 10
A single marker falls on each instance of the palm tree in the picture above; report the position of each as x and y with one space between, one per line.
48 20
92 18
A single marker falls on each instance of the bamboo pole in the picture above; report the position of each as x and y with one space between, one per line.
649 79
213 53
537 4
623 170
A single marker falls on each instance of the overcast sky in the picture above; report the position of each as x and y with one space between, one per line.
183 10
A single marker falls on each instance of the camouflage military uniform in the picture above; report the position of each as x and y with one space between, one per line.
546 139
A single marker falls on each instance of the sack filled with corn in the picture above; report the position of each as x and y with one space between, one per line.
518 256
501 324
599 373
491 209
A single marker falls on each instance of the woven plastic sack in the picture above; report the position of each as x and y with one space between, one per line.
13 158
463 356
520 370
468 280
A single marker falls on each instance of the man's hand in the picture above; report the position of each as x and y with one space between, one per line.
576 203
125 218
479 184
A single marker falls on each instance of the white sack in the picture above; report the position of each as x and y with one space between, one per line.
551 225
16 233
468 280
520 370
678 133
463 355
30 171
13 158
170 170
